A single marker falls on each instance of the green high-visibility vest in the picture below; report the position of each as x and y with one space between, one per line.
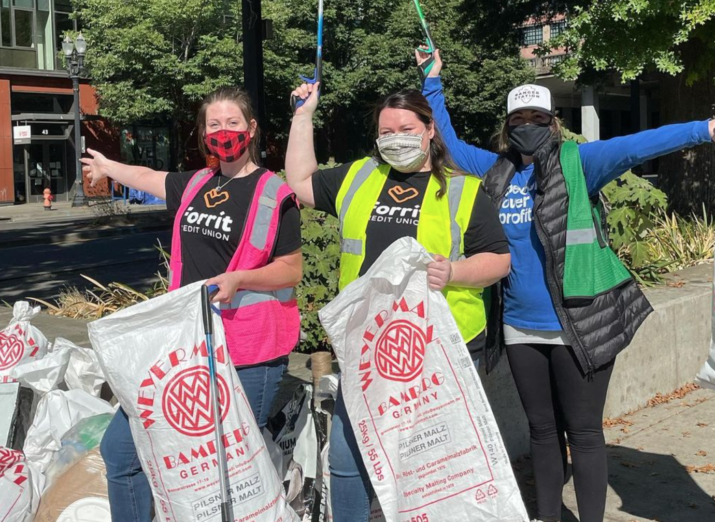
590 266
440 230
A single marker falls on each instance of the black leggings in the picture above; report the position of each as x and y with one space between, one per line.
558 399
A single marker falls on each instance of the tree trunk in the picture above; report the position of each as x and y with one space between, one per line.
688 176
177 148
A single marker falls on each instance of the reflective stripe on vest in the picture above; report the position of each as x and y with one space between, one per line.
195 181
356 199
354 246
584 236
251 297
456 187
266 204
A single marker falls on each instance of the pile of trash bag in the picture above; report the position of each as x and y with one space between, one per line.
54 419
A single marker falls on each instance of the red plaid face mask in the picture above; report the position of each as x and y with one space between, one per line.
228 145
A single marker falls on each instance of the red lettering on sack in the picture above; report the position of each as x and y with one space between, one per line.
8 458
366 380
400 351
177 357
146 414
156 370
400 348
401 305
11 350
36 348
145 400
187 403
208 450
413 398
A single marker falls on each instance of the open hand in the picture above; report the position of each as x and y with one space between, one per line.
97 167
711 126
422 56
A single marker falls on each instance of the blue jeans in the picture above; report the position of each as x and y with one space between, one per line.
350 490
130 496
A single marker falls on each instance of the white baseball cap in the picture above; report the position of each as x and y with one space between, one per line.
535 97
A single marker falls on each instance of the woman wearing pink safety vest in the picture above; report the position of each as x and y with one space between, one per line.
239 227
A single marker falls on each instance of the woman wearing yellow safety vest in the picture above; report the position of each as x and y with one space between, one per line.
408 188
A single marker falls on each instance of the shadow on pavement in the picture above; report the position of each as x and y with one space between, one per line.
647 485
657 487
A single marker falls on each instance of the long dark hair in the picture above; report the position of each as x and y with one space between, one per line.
413 100
243 101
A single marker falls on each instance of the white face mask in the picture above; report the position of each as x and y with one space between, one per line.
402 151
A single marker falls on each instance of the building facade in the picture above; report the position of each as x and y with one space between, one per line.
37 148
601 111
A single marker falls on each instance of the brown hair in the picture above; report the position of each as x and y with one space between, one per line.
239 97
502 136
413 100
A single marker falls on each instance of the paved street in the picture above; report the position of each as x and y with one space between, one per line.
40 253
43 270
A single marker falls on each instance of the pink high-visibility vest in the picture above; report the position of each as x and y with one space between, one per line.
259 326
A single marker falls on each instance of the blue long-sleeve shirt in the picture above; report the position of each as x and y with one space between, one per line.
527 301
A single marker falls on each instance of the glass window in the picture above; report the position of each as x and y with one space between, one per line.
5 24
24 28
550 61
40 102
43 5
63 5
557 28
44 41
28 4
532 35
24 58
63 24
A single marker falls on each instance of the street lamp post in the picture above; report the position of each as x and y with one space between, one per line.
74 54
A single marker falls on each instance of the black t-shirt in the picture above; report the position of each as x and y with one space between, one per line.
212 227
397 212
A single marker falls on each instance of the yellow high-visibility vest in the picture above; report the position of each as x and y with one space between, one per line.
440 230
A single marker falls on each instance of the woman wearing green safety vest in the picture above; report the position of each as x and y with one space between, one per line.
569 306
407 188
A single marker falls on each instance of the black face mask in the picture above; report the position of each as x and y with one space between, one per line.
527 139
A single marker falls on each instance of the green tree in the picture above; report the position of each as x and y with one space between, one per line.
152 60
368 53
672 41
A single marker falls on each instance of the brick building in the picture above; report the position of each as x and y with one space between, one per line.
37 148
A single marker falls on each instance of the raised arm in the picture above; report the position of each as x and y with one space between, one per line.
300 156
467 157
98 167
603 161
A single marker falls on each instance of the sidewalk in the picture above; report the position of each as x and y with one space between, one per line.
63 211
22 225
661 458
661 463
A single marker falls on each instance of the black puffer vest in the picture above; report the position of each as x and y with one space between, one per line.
596 329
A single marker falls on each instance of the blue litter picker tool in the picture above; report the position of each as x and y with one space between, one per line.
207 315
295 101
